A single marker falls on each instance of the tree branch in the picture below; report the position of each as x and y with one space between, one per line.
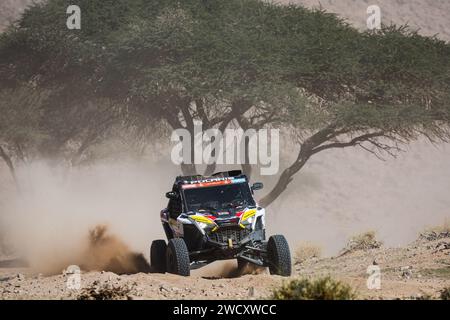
315 144
10 165
353 142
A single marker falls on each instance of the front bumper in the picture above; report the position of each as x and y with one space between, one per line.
233 237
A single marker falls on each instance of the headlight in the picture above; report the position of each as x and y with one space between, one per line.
203 222
248 216
202 225
250 220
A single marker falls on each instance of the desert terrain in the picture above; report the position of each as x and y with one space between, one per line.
420 270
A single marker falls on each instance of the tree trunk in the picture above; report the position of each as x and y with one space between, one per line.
283 182
306 151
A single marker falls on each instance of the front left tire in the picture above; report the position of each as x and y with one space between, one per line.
177 257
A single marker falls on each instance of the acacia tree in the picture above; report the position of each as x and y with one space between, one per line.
250 63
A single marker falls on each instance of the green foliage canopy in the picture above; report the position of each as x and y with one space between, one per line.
248 61
160 54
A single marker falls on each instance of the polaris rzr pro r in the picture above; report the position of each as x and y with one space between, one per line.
216 218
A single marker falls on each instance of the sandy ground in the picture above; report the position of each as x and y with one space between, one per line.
420 269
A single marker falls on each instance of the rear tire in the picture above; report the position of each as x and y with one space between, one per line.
158 256
279 256
177 257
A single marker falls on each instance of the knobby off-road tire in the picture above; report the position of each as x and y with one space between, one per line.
279 256
158 256
177 257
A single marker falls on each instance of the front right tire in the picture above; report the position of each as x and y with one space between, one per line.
177 257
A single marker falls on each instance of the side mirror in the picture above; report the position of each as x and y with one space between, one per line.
257 186
171 195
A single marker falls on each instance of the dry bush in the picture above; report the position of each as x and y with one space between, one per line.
436 232
319 289
307 250
445 294
362 241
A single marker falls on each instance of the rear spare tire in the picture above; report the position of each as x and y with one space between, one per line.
158 256
279 256
177 257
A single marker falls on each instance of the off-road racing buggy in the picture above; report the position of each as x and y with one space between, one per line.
216 218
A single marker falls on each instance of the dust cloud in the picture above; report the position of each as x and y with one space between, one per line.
337 194
88 216
227 269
